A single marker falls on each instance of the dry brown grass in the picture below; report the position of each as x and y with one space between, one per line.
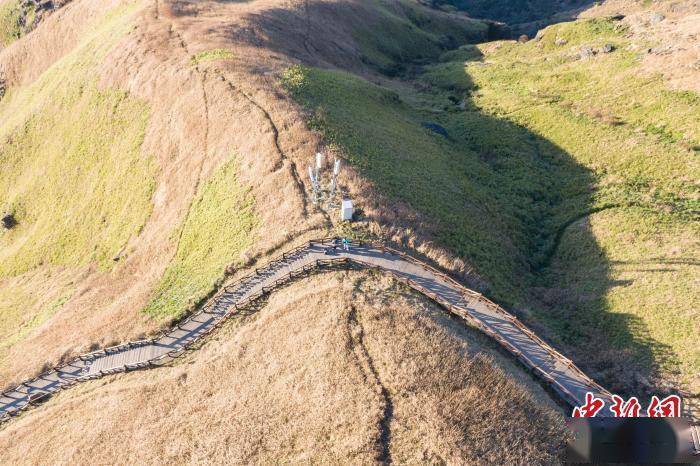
199 117
201 112
339 368
309 378
670 45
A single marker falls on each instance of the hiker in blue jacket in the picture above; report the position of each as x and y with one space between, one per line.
346 244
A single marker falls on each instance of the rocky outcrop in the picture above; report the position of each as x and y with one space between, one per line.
8 221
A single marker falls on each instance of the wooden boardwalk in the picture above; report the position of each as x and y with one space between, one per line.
554 370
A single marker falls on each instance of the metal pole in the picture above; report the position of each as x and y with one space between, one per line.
334 182
319 164
314 186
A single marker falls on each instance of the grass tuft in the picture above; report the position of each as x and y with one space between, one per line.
212 55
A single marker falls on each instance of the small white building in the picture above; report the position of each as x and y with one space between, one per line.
346 210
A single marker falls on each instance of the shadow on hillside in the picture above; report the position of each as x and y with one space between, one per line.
494 192
523 17
617 349
499 195
327 33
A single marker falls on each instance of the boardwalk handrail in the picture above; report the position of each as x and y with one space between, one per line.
559 388
175 353
483 299
281 259
269 278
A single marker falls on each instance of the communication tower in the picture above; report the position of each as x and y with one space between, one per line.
316 177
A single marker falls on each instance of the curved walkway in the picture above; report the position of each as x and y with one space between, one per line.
556 371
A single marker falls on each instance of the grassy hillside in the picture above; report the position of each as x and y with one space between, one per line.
565 176
15 324
383 136
71 172
508 153
115 160
522 16
79 195
403 33
514 11
640 141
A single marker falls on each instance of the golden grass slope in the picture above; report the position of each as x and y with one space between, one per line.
203 82
103 99
73 175
342 368
665 32
199 83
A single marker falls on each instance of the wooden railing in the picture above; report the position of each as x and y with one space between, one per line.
272 267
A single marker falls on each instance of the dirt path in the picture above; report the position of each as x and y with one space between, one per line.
371 375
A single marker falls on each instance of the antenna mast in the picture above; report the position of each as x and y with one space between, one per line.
334 182
315 185
315 177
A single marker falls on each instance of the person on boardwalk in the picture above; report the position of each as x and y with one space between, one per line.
333 249
346 244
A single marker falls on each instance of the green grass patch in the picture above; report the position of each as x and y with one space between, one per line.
76 180
217 230
464 53
623 281
584 32
16 20
73 174
12 20
212 55
619 282
448 76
